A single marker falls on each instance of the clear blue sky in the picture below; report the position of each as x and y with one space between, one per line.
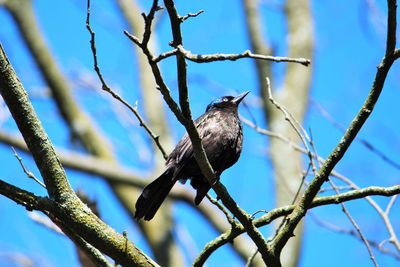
349 43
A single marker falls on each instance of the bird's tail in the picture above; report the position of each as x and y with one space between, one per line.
154 195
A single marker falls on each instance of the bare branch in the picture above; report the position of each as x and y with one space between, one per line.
390 205
230 219
246 54
191 15
116 173
385 216
339 151
148 20
276 213
69 208
35 137
356 226
353 233
368 145
106 88
391 31
26 171
251 258
199 152
301 133
165 55
207 58
45 221
91 228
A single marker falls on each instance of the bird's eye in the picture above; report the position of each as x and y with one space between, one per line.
225 99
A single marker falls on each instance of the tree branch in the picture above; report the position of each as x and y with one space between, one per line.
69 209
246 54
339 151
276 213
115 173
199 151
29 125
106 88
201 58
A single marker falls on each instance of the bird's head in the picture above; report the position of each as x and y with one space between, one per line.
227 102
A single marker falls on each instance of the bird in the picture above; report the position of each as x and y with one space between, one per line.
222 138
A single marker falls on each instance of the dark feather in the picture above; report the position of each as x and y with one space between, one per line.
221 133
153 195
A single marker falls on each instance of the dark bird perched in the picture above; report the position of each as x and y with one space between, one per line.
221 133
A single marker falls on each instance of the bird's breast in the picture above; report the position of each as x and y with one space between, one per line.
222 139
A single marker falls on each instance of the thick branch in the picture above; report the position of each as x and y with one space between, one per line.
80 124
115 173
82 223
67 206
276 213
24 198
92 254
32 131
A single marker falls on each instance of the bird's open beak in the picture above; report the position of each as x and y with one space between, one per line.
239 98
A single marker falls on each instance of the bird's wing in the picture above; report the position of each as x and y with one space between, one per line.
220 137
184 149
209 131
214 144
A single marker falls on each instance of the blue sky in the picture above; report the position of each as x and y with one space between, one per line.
349 44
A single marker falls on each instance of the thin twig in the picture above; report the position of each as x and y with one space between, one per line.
107 89
345 210
340 188
354 234
356 226
251 258
191 15
367 144
384 216
26 171
295 197
272 134
390 205
148 21
301 133
257 212
45 221
165 55
230 219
